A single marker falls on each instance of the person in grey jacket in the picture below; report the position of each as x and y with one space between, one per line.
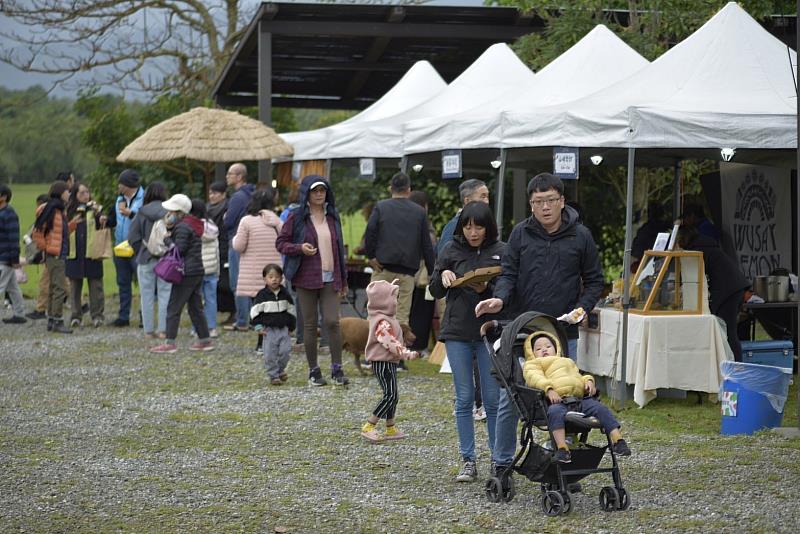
151 287
185 233
551 265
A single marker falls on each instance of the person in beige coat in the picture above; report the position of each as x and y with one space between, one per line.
255 242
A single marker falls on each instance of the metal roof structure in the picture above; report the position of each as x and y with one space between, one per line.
346 56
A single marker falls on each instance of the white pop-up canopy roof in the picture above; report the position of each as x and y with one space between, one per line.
419 84
729 84
598 60
490 78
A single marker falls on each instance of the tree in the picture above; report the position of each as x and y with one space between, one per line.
154 46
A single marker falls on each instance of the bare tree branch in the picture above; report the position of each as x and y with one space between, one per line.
151 45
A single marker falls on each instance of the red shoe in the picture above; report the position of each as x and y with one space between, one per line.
202 345
166 348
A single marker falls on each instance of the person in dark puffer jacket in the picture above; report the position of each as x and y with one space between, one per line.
9 256
185 234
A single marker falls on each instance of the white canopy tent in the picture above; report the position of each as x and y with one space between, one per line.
598 60
419 84
729 84
490 78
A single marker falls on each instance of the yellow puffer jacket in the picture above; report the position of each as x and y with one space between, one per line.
555 372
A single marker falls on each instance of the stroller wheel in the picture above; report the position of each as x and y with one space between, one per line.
508 488
609 497
494 489
624 499
552 503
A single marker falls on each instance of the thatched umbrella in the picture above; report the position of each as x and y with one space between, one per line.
206 134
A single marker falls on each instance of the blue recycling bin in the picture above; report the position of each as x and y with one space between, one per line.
752 396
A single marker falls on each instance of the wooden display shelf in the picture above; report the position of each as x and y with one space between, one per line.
689 269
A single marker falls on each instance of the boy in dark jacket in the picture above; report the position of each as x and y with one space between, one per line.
185 234
273 317
9 256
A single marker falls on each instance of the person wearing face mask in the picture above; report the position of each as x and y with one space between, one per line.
185 233
475 245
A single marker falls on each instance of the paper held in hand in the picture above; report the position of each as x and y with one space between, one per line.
484 274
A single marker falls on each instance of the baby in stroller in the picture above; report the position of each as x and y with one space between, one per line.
566 390
548 393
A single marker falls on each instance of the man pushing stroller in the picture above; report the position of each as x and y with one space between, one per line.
567 390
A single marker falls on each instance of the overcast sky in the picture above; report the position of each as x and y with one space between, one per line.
12 78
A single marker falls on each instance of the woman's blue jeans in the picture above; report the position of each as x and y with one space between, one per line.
209 290
460 355
151 288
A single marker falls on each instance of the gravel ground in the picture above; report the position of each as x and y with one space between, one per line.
97 434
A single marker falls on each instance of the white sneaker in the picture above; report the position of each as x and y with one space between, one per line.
479 414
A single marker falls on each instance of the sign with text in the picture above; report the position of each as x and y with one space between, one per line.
366 168
565 162
756 214
451 164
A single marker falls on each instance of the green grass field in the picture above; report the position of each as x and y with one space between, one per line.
24 203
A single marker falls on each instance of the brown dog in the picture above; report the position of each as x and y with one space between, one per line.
355 332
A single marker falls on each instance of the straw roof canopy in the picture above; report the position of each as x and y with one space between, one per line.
207 134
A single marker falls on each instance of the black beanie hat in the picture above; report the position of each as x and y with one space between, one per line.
129 178
219 187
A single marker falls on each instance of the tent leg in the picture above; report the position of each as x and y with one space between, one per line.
404 165
626 268
677 192
501 174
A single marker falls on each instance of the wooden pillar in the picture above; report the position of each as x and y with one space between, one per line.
264 97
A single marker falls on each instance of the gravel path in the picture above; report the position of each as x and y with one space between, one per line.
97 434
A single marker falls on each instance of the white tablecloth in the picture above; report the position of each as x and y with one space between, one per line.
677 351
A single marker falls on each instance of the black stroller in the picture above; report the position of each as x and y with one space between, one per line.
558 481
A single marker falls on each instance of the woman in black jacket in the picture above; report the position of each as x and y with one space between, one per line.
78 266
474 245
185 233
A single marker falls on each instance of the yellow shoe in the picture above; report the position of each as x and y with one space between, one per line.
393 433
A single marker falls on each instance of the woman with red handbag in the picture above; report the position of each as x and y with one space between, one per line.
185 233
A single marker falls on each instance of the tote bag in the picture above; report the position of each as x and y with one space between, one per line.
100 247
170 267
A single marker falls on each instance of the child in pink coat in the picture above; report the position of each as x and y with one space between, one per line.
385 349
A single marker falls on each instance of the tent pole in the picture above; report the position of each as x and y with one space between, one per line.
797 202
501 174
404 165
677 192
328 165
626 275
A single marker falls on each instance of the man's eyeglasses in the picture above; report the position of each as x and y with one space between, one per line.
539 202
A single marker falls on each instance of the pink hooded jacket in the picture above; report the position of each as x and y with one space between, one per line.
255 240
385 341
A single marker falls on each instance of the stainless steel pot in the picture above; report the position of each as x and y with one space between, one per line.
772 288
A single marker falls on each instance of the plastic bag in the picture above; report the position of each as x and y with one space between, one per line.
124 250
770 381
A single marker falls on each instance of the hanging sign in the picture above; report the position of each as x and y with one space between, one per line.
366 168
756 214
451 164
565 162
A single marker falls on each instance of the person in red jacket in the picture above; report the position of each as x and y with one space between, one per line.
385 349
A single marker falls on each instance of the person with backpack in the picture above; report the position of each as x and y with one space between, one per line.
210 239
146 236
185 235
